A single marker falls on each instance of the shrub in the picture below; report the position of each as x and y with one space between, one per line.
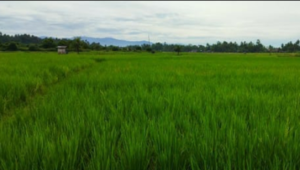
12 47
33 48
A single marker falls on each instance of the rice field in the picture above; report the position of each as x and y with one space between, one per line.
139 111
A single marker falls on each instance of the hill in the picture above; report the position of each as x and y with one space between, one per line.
112 41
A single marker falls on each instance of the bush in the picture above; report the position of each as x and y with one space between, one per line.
149 50
115 48
12 47
33 48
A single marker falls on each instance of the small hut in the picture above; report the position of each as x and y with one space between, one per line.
62 50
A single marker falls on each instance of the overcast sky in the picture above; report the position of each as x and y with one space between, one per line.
172 22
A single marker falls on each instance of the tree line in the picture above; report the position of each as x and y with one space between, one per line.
26 42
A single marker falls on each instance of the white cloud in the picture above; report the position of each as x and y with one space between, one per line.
172 22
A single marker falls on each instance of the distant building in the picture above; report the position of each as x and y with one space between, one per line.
62 50
193 51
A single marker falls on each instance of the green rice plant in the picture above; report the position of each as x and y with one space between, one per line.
25 74
163 111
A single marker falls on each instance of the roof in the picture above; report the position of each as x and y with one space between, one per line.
61 46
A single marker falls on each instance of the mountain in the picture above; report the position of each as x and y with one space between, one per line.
112 41
108 41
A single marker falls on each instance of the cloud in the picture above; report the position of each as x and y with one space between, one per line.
178 22
135 33
166 15
109 30
120 19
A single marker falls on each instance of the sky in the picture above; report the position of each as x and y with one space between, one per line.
192 22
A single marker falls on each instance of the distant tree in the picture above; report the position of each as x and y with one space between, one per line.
63 42
177 49
138 48
105 48
201 48
271 48
297 47
12 47
208 47
48 43
114 48
95 46
259 47
85 44
77 44
33 48
148 49
157 46
289 47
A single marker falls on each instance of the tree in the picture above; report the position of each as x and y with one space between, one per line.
149 50
138 48
63 42
114 48
259 47
201 48
85 44
48 43
95 46
297 47
271 48
157 46
77 44
208 47
12 47
177 49
33 48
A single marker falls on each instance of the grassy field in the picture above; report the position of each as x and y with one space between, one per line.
25 74
139 111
